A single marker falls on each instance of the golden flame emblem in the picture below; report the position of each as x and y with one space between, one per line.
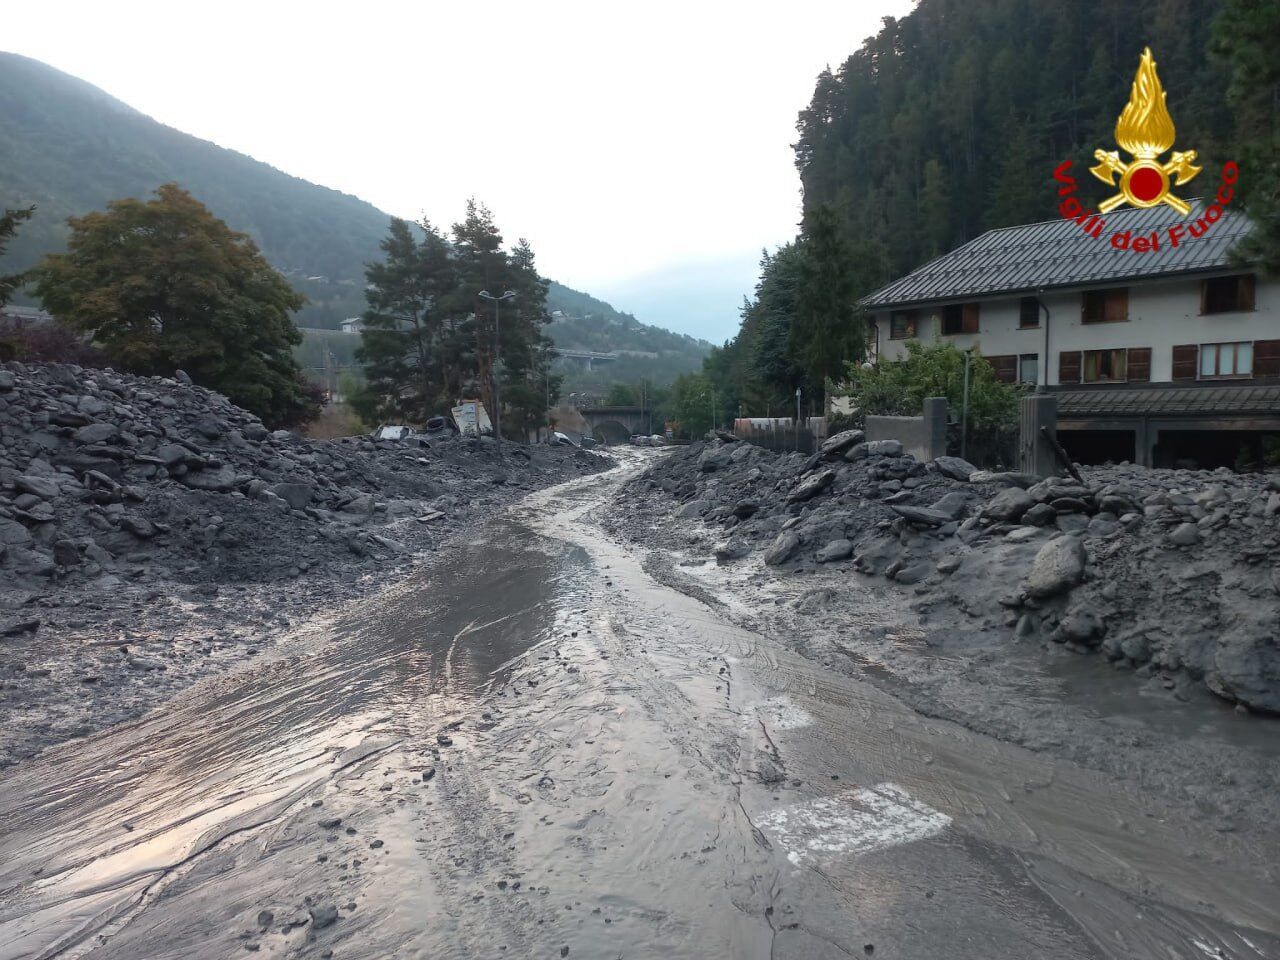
1145 130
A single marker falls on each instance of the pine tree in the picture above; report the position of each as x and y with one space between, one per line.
828 330
1245 39
408 341
8 227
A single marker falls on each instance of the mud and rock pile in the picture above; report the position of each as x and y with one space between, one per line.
105 474
1159 570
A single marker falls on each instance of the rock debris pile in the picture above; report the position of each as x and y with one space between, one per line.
105 474
1168 571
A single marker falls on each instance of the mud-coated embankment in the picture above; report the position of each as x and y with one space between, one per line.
1115 623
151 532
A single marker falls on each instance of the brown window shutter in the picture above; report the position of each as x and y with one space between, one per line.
1247 301
1117 305
1005 366
1185 359
969 323
1266 358
1069 366
1139 364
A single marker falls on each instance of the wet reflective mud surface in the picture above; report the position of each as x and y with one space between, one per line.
531 748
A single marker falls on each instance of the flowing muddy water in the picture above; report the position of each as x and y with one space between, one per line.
531 748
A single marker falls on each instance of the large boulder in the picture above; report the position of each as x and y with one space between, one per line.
297 495
714 458
835 550
836 445
95 433
13 534
811 486
952 504
780 551
920 516
1058 566
955 467
884 448
42 487
220 480
1008 505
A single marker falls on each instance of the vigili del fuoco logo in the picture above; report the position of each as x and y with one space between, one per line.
1145 131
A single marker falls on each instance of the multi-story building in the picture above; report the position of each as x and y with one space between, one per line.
1159 357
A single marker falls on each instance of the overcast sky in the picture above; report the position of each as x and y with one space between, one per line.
644 151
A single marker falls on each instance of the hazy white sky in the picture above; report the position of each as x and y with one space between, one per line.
625 142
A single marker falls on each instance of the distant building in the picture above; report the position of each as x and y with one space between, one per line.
1157 357
352 325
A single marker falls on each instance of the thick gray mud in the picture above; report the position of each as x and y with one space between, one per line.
533 748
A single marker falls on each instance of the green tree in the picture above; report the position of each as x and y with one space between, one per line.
1244 39
529 388
692 397
8 227
899 387
621 395
163 284
828 330
408 345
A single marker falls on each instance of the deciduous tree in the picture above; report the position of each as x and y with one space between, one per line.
163 284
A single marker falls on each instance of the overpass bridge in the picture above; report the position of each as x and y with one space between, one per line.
588 358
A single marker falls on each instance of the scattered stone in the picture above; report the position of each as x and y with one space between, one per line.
1008 505
921 516
835 550
782 548
811 486
835 446
955 467
322 917
1185 534
1058 566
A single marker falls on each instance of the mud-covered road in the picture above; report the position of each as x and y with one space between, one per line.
533 749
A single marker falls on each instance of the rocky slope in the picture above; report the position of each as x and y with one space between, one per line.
152 532
1173 574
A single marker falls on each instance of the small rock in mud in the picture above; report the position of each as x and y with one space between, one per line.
325 916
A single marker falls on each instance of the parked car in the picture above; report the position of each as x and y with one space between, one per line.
394 431
559 439
657 440
640 440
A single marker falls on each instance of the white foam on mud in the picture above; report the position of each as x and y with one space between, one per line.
779 713
854 823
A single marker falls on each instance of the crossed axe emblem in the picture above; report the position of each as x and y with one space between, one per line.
1179 169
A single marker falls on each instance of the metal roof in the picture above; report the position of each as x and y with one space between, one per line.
1057 253
1170 402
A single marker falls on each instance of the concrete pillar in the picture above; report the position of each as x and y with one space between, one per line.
935 426
1034 453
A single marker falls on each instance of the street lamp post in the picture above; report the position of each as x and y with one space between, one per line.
493 368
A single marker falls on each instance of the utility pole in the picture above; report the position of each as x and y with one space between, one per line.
493 367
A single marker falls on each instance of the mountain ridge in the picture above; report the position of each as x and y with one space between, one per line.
68 147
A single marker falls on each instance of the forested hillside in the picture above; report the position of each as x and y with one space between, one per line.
950 122
69 148
951 119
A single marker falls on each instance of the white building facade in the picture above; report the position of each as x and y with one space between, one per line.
1157 358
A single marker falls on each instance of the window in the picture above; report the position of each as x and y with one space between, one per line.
902 324
1227 294
1028 312
1029 368
1105 366
959 318
1219 360
1105 306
